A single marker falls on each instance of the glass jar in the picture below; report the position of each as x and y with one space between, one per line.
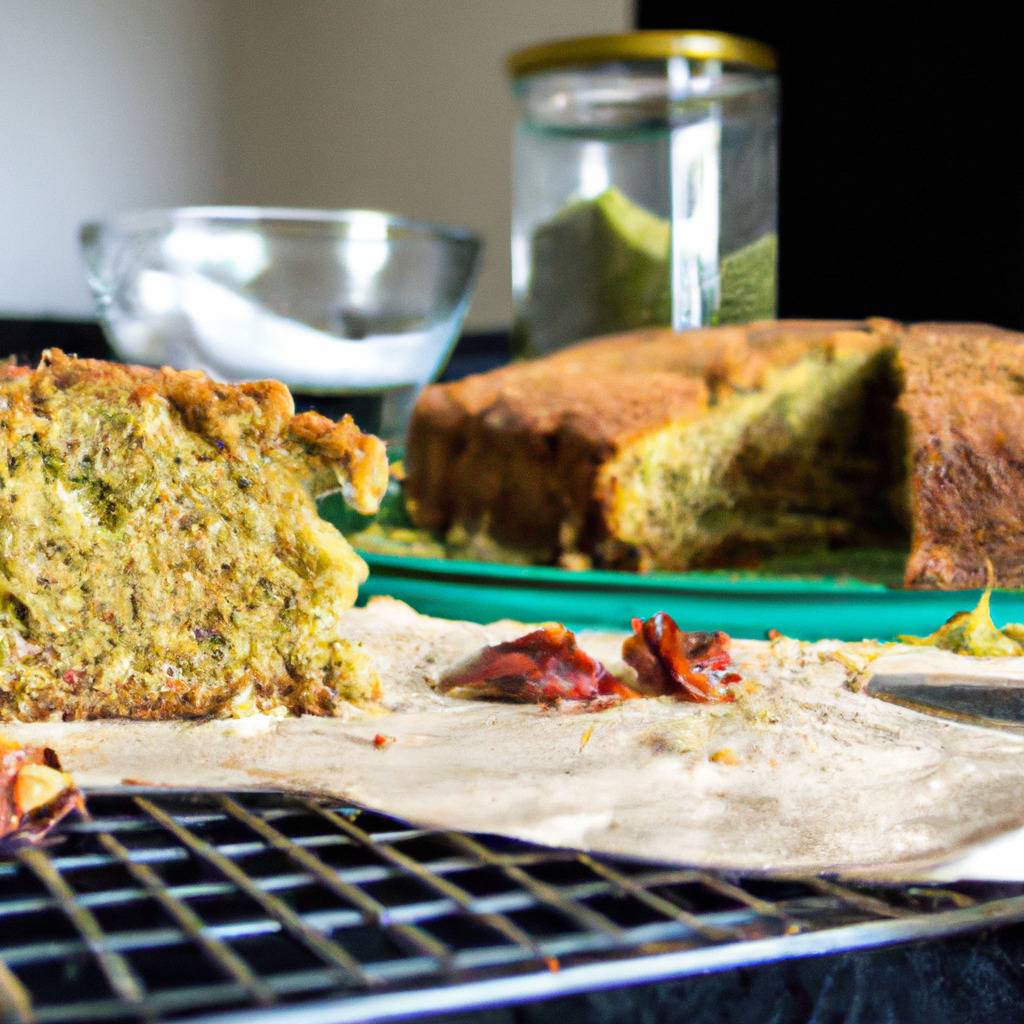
644 185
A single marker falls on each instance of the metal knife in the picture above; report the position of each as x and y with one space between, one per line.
978 691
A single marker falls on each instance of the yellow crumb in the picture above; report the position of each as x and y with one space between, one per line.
585 738
38 784
725 756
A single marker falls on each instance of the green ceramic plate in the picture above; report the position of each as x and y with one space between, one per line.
846 596
811 609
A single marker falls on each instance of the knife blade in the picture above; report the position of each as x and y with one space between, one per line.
978 691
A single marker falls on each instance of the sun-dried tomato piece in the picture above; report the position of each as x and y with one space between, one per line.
34 793
687 666
542 667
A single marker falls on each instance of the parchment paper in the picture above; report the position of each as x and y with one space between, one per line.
801 774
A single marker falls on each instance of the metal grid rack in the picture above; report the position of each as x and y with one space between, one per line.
242 906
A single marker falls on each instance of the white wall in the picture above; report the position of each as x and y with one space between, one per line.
398 104
104 105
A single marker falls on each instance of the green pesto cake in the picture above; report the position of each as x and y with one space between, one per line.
161 555
662 450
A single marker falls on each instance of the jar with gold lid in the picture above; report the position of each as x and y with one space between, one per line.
644 184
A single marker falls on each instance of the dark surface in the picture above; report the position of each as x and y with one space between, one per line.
962 980
900 182
25 339
174 906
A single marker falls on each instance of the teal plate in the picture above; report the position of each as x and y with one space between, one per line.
792 598
739 603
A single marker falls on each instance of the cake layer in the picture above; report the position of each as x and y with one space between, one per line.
161 555
631 450
507 466
787 465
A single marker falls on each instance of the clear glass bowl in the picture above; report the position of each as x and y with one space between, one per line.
355 307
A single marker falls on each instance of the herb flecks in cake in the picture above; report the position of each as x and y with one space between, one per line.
160 551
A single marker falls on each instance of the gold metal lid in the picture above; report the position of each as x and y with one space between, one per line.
696 45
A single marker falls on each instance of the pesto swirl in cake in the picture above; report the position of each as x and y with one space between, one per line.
659 449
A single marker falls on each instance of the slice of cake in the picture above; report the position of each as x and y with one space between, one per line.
664 450
160 551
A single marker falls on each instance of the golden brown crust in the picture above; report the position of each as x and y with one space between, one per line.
963 400
361 458
261 413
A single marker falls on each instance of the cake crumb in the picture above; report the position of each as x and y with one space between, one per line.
585 738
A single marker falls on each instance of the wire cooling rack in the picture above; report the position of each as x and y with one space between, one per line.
234 907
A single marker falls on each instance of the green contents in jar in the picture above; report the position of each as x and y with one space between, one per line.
603 265
598 266
748 278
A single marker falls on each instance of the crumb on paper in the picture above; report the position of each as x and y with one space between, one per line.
585 738
683 735
725 755
785 649
380 741
35 794
856 660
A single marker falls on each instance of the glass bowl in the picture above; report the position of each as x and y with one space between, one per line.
355 310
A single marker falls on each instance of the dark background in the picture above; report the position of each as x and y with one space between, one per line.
902 185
